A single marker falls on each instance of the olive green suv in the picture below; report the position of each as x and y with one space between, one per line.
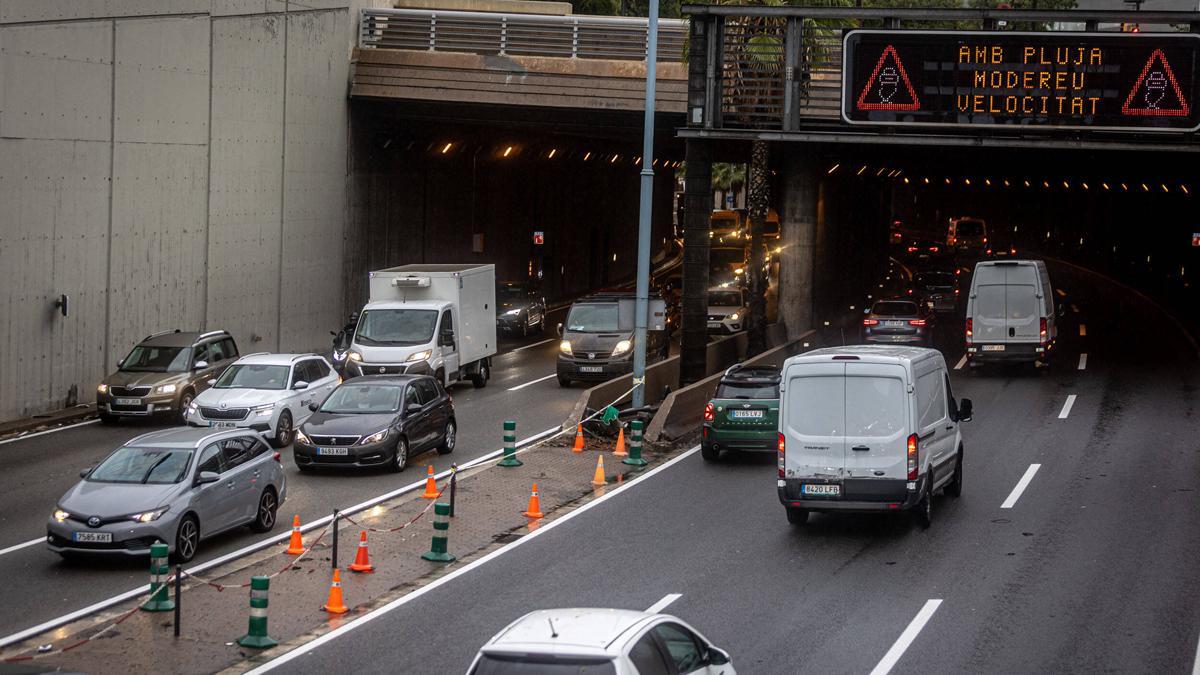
163 374
743 414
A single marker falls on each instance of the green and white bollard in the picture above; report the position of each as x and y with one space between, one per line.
257 636
510 445
160 592
441 523
635 445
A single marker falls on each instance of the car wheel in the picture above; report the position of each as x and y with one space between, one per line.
564 381
709 453
283 431
797 516
954 487
923 513
400 457
184 402
448 438
105 418
268 504
480 378
187 539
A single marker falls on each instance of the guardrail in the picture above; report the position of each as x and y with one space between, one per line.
582 37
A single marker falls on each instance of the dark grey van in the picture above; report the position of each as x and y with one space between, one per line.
597 338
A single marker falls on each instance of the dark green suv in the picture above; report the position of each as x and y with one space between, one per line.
744 414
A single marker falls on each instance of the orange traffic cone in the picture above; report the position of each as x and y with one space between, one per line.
620 451
336 604
578 439
598 479
535 505
296 545
362 561
431 490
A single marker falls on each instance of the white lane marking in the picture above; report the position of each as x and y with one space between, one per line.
1020 487
1066 410
1083 361
961 362
540 379
1083 330
1196 661
906 638
258 546
48 431
404 600
662 604
18 547
536 344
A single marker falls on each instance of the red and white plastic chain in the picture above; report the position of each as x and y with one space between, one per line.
290 565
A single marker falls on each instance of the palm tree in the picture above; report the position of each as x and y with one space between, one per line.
727 178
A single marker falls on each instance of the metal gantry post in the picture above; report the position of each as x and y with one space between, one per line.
644 210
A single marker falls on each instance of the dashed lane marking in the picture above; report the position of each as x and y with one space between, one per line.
1020 487
662 604
1066 409
961 362
1083 361
906 638
540 379
535 344
18 547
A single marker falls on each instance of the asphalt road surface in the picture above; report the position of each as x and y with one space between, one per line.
1090 567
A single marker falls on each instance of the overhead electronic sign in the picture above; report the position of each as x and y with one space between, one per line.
1063 80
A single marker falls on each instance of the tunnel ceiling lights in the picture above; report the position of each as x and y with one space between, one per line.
447 147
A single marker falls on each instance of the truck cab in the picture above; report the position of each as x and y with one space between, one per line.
597 339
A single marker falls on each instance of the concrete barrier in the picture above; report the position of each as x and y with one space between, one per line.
680 411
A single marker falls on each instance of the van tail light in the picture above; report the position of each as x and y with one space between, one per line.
782 454
1042 329
916 322
709 412
970 333
912 457
870 322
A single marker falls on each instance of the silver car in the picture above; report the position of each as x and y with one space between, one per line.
176 486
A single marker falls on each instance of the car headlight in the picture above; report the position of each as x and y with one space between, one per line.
565 346
193 408
355 356
622 347
302 437
263 410
374 438
61 515
733 317
166 389
102 389
148 516
513 312
419 356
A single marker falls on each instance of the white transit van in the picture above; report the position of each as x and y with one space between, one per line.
1010 312
868 428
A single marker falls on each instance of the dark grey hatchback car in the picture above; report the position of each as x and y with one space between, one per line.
377 421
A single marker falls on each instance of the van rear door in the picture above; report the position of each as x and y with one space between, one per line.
1022 303
812 420
877 427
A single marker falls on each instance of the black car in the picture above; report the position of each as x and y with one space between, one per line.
939 290
520 308
377 420
898 321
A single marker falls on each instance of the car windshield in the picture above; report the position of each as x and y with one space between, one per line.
931 279
747 390
510 294
596 317
724 299
363 399
253 376
157 466
145 359
533 664
969 228
894 308
724 224
396 326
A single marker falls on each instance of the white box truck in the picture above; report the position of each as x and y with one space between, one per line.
436 319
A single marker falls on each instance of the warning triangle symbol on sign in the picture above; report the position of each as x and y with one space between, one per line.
1156 93
888 88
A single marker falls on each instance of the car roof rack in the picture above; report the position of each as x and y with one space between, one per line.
212 333
162 332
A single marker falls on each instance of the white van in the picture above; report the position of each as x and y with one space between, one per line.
1010 312
868 428
967 234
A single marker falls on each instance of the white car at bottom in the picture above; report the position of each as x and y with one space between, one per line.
599 642
269 393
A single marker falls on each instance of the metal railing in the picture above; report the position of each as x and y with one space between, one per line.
777 68
582 37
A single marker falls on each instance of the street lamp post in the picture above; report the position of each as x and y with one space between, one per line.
641 310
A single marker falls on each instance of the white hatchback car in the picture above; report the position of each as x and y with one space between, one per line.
269 393
599 642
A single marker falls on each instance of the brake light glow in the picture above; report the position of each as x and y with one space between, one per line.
916 322
970 333
912 457
956 291
1042 329
709 412
933 249
912 249
870 322
277 457
782 454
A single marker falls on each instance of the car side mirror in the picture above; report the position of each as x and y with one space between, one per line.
413 408
559 329
314 406
965 410
446 340
200 365
83 473
300 385
717 656
211 382
207 477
